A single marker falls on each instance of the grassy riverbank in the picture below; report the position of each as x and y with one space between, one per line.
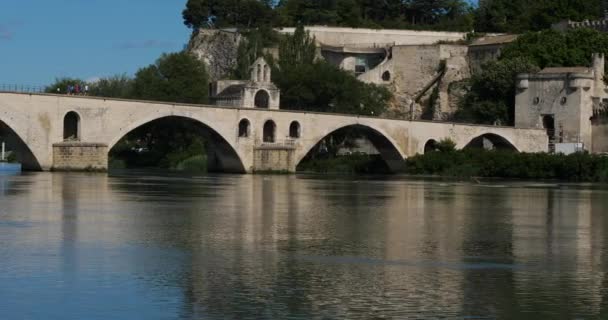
511 165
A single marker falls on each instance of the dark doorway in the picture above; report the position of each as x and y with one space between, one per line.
430 146
549 126
244 127
71 127
294 130
269 131
262 99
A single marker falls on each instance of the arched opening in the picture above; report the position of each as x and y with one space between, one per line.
177 144
71 126
386 76
430 146
294 130
269 131
16 150
261 99
491 141
244 128
354 149
259 73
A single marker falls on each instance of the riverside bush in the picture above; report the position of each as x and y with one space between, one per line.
507 164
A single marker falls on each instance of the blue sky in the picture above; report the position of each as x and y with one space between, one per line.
44 39
41 40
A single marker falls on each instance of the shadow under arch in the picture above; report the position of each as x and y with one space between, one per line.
387 149
22 152
221 156
491 141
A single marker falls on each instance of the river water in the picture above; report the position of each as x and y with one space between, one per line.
157 246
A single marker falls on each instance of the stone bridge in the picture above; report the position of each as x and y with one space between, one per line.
75 132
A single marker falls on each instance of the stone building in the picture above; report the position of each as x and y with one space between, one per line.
257 92
565 102
487 49
424 69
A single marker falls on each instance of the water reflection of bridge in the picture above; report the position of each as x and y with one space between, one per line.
287 244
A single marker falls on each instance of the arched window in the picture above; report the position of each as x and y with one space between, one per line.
269 131
244 128
430 146
386 76
294 130
266 74
261 99
71 126
259 71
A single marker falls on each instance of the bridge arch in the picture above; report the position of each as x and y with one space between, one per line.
388 149
430 146
262 99
14 142
71 126
227 158
491 141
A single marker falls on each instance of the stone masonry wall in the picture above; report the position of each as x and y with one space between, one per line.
78 156
274 158
218 49
600 135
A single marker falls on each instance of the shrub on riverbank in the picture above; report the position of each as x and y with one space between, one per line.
346 164
506 164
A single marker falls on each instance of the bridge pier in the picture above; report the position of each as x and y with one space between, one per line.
80 156
274 158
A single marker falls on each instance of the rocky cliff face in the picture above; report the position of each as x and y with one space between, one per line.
218 49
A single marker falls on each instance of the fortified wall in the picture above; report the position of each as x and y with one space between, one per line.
424 69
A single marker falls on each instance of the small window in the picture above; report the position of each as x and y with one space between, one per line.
244 127
386 76
536 101
269 131
563 100
294 130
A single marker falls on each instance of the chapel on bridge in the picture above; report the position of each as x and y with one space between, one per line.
257 92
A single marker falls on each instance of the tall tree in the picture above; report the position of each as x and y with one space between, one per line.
524 15
176 77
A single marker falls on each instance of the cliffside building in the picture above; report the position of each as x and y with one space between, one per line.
567 103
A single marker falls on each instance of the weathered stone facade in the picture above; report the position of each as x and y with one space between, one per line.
79 156
258 92
38 121
562 101
274 158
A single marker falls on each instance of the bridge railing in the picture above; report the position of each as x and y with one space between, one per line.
21 88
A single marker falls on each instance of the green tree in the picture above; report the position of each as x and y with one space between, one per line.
491 98
523 15
558 49
118 86
60 86
176 77
225 13
312 85
297 49
251 48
